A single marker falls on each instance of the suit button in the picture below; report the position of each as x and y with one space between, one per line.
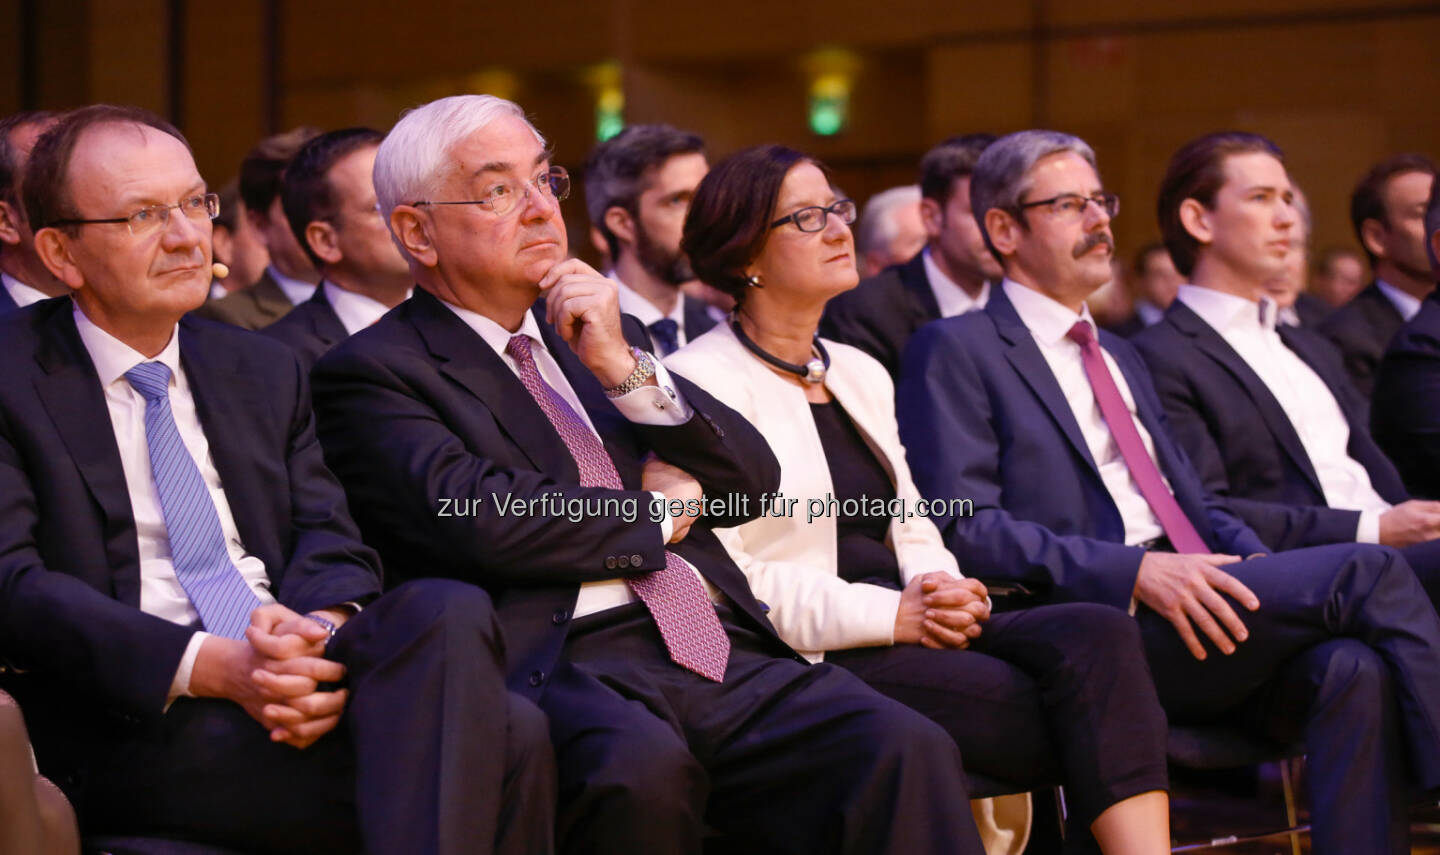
611 563
764 607
636 561
559 617
624 561
537 677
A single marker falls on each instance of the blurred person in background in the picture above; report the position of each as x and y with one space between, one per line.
1156 282
891 230
25 278
237 245
1338 275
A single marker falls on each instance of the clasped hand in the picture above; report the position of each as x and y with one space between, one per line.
940 611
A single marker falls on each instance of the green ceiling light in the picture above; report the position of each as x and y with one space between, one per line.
832 74
605 81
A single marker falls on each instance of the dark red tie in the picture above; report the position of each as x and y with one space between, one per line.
674 596
1122 428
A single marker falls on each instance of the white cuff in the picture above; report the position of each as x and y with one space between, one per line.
667 527
1368 529
660 405
180 686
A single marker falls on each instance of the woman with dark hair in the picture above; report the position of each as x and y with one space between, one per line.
852 568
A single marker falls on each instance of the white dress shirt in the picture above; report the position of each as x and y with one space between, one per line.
356 311
295 290
1306 400
631 303
22 294
661 404
951 298
161 593
1049 321
1405 304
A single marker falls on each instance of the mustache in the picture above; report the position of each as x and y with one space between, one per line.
1092 241
179 262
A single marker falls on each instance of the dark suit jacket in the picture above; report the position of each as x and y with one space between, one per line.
1241 441
1405 411
979 405
883 311
698 320
7 303
417 410
258 306
1311 310
310 329
1362 329
69 558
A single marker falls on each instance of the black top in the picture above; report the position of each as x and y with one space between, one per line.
857 476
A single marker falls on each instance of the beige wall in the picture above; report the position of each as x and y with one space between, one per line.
1338 83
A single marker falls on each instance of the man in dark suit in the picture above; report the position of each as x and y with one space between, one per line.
1387 211
24 279
1079 492
638 186
1263 410
1405 412
329 199
290 278
477 442
951 276
181 588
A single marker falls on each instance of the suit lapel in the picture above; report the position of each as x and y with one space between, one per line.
324 323
466 358
1210 342
71 394
917 285
1024 354
7 303
270 301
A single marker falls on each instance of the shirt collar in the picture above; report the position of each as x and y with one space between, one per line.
1406 305
948 293
1046 318
22 294
632 303
295 290
495 335
113 357
1227 312
356 311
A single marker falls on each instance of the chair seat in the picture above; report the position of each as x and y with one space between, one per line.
1221 747
116 845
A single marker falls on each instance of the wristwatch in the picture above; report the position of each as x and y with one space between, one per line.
329 625
644 370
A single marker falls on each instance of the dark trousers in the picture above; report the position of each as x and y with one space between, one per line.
781 757
1424 559
433 755
1050 695
1287 678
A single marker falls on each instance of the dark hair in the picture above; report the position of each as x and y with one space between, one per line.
264 165
729 219
46 185
616 170
1197 171
307 192
1367 202
9 157
951 159
229 215
1144 253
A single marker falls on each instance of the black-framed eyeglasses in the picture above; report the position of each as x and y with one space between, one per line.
502 198
813 218
1072 205
152 218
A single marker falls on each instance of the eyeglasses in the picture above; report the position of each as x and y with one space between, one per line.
1072 205
813 218
153 218
502 198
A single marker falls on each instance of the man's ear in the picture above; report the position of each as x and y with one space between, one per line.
933 217
53 247
9 223
1195 219
621 224
1435 244
1372 235
1003 229
324 241
411 230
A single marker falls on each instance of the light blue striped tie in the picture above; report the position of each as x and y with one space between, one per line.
197 543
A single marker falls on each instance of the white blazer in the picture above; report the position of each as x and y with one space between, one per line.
791 563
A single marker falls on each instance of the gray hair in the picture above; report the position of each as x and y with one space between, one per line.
1002 174
414 156
877 226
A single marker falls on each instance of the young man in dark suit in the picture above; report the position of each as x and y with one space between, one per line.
952 275
329 200
196 630
1263 410
1057 438
1387 211
547 457
1405 411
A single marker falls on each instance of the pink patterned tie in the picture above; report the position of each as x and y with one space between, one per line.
1122 428
675 598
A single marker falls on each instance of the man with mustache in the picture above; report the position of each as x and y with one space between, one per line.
1079 492
638 187
197 633
1264 410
